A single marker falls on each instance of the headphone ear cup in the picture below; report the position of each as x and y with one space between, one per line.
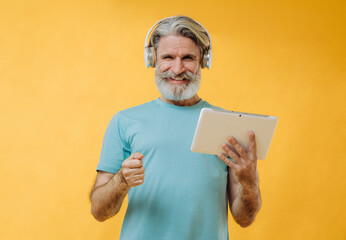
149 57
210 58
207 59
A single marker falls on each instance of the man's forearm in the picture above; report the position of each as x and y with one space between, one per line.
246 205
107 199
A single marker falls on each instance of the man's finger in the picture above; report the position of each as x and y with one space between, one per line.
138 176
252 146
230 153
137 182
132 163
226 160
133 171
136 155
240 150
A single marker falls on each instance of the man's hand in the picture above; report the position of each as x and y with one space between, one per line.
133 170
244 194
110 189
245 162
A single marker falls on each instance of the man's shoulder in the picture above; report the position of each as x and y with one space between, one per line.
141 107
136 110
123 117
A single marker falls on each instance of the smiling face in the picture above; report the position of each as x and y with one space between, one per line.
177 73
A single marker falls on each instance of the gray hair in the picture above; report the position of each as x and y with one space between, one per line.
181 26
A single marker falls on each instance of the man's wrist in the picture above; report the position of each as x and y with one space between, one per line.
250 187
120 179
250 183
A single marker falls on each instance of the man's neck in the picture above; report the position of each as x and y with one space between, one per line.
183 103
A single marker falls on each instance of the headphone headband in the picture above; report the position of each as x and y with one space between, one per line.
150 55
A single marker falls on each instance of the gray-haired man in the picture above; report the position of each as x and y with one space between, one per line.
183 195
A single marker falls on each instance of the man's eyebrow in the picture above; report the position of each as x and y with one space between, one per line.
185 56
190 56
165 55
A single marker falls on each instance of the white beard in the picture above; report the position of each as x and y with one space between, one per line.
178 92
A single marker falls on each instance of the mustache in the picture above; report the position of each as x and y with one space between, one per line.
185 75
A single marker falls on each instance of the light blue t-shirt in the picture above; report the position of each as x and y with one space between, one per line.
184 194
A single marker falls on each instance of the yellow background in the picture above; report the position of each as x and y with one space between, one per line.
66 67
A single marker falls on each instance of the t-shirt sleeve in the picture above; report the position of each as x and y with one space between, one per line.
114 148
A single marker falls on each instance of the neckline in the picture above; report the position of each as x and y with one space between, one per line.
197 105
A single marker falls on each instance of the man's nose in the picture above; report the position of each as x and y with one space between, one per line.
178 66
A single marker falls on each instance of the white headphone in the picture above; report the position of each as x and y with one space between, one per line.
150 55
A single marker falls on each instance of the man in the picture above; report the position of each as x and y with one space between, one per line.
173 193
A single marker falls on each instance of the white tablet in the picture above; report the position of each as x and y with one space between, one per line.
215 126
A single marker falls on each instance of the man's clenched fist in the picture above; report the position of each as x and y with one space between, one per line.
133 170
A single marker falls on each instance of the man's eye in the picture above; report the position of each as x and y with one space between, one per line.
167 57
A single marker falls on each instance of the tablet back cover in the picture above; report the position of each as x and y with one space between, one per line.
215 126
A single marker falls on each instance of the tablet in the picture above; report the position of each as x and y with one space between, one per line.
215 126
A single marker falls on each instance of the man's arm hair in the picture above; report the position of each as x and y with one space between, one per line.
107 194
244 200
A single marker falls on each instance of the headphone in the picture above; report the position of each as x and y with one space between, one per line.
150 55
